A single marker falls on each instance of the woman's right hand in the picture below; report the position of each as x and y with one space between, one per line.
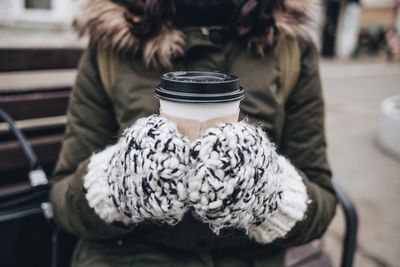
143 174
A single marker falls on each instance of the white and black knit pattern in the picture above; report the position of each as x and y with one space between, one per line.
236 179
146 172
231 177
292 207
98 192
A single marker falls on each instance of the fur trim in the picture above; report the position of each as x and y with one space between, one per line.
162 48
107 25
299 19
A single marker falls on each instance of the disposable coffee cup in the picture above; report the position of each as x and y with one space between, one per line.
197 100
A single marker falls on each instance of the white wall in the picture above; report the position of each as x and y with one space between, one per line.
379 3
14 12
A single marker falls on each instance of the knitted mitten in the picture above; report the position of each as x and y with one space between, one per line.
237 180
142 176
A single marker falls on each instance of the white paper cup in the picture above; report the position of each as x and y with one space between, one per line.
199 95
198 111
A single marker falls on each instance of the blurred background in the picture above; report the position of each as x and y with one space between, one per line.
359 43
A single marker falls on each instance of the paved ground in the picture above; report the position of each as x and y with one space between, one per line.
353 94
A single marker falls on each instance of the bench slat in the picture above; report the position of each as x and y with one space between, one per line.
13 82
45 147
37 124
9 189
20 59
35 105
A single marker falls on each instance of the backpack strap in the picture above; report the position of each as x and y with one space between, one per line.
107 62
289 56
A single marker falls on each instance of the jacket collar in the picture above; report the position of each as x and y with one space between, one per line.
105 23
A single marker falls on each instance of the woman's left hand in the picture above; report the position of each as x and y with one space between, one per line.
238 180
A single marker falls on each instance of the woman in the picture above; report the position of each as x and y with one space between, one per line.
145 39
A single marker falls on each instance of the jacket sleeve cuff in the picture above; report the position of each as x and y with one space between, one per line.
291 209
96 184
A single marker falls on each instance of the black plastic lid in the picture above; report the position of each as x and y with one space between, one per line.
199 87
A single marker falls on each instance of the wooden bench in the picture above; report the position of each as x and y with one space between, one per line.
38 105
34 89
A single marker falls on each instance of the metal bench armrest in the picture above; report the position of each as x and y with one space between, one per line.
351 218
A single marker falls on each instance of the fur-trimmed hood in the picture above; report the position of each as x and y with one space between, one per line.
107 25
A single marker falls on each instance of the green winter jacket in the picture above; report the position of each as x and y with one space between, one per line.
96 118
